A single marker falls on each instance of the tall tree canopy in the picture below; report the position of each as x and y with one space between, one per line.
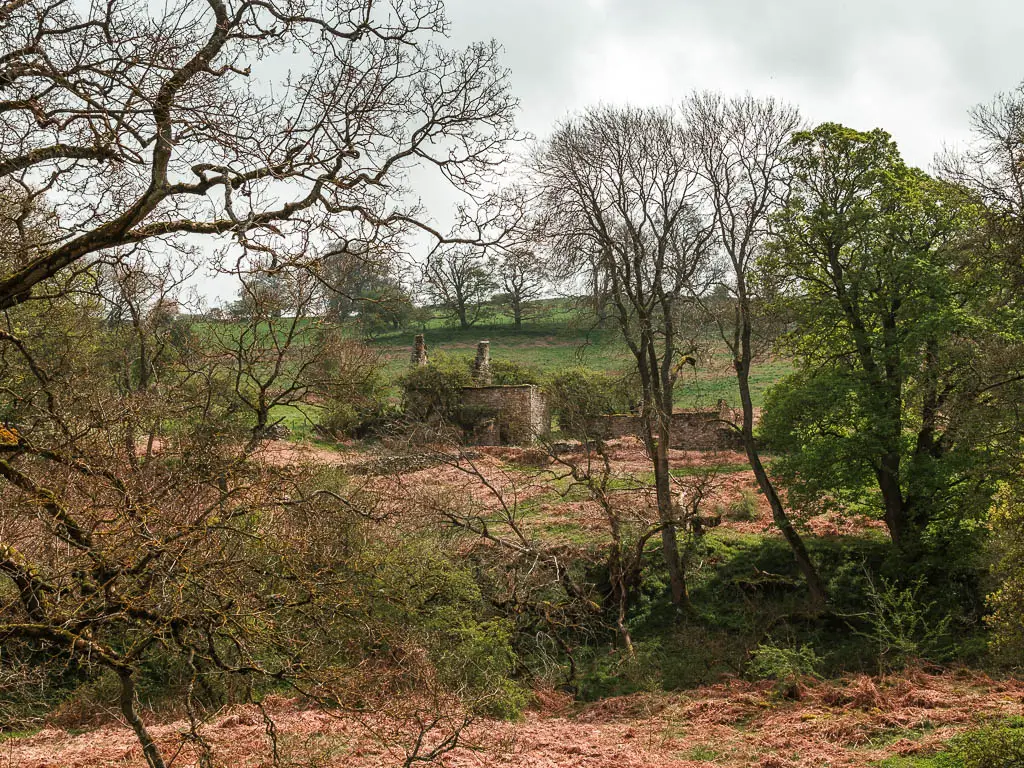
620 193
899 344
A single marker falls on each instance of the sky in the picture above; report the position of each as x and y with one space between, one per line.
912 67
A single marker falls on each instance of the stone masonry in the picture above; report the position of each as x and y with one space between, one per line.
419 352
482 364
508 415
495 415
693 429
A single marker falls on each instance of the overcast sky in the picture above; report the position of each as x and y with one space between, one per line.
912 67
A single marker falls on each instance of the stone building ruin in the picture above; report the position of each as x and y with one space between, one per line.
693 429
505 414
495 414
419 351
492 414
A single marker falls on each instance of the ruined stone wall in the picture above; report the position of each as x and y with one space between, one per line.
518 414
692 430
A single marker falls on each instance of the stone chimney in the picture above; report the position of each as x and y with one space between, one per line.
482 364
419 352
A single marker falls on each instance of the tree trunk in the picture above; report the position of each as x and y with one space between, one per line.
892 495
463 320
815 585
658 448
127 701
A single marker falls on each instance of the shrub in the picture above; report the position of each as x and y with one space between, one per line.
993 747
344 419
577 395
425 602
618 673
509 372
1007 602
743 508
434 391
355 398
789 667
900 625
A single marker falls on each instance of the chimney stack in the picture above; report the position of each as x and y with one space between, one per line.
482 364
419 352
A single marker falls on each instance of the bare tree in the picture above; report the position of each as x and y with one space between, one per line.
283 353
618 189
521 276
459 280
113 559
142 300
150 126
992 166
742 145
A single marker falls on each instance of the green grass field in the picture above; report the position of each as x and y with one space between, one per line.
561 336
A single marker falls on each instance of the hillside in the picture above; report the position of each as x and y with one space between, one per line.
560 335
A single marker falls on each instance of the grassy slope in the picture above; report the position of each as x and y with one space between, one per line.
560 336
557 335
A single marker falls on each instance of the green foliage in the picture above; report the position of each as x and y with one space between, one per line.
577 395
509 372
703 753
617 673
428 600
357 403
364 288
434 391
1007 601
787 666
901 626
812 423
743 508
1000 746
894 307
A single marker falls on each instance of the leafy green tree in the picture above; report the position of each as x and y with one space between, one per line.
894 334
521 276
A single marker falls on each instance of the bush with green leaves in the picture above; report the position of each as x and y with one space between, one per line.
577 395
355 402
434 391
427 601
619 673
788 666
743 508
901 626
509 372
996 746
1006 519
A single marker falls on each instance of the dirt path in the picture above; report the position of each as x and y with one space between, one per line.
842 724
